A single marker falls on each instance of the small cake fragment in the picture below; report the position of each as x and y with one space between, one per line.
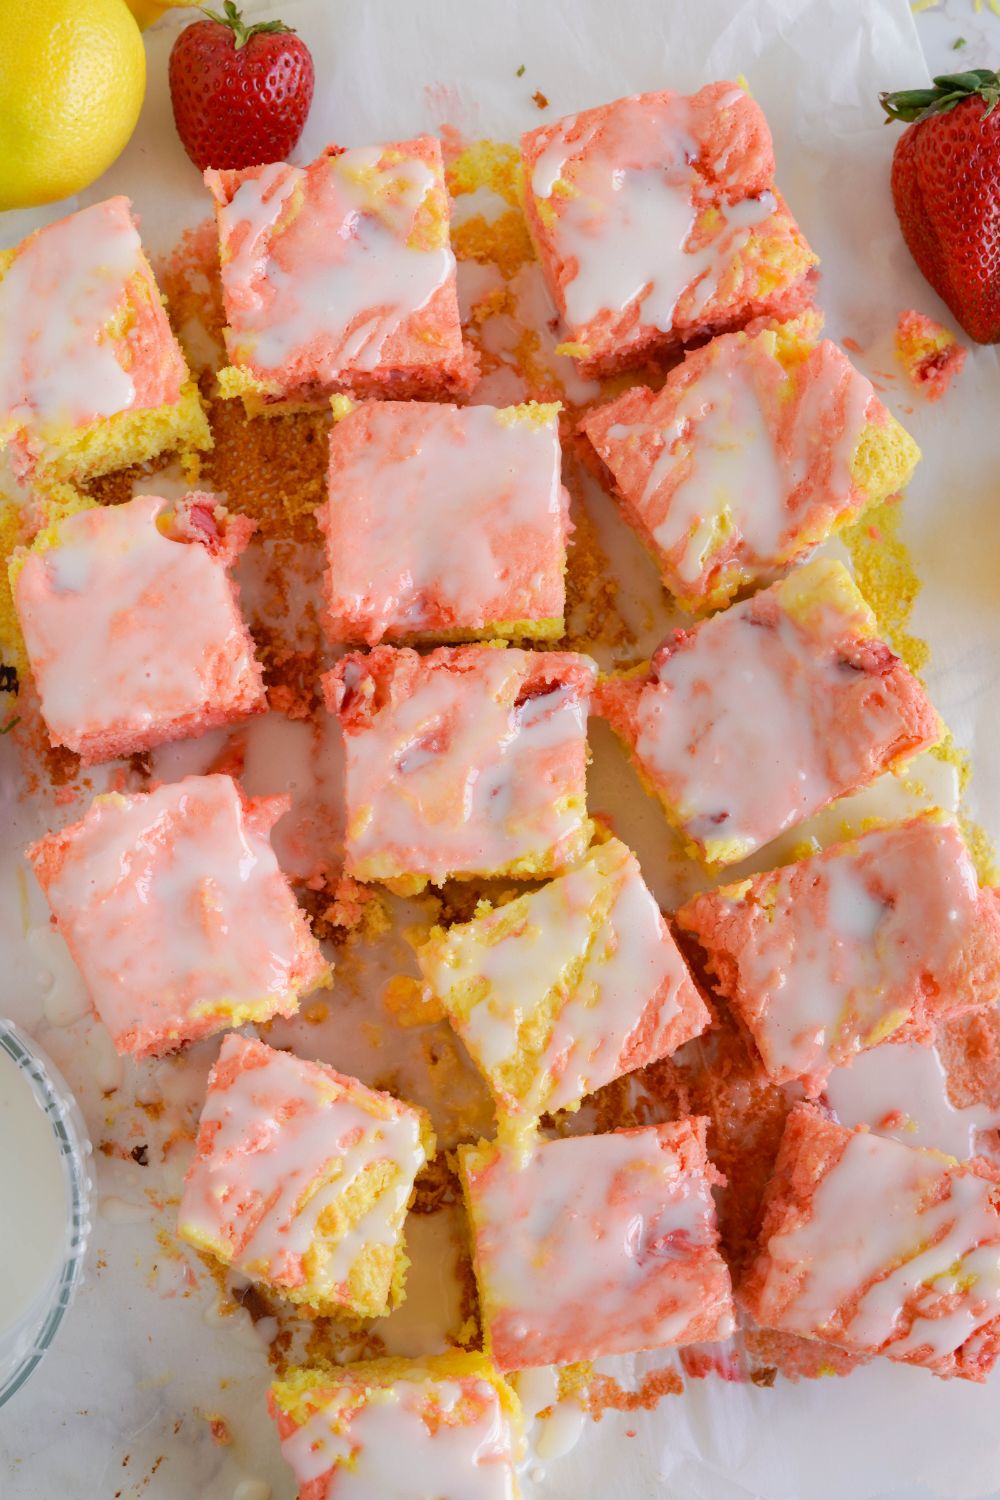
565 988
132 624
885 936
756 449
339 276
445 523
929 353
657 222
468 761
302 1178
597 1244
396 1429
760 716
91 376
881 1248
176 913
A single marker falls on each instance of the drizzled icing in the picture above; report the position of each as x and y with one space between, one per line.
323 266
789 686
413 1437
176 912
597 1245
835 953
900 1253
590 956
737 463
625 194
442 517
104 602
83 334
466 760
281 1142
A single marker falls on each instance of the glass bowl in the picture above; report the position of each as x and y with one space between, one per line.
23 1346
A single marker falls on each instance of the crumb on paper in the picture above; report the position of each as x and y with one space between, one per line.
930 354
852 345
520 71
539 98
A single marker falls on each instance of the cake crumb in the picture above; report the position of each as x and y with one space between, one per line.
929 353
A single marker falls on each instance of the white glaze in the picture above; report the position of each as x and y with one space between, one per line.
902 1092
397 1455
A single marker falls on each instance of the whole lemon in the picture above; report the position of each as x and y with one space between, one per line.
148 11
72 77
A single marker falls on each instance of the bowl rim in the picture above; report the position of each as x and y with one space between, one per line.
63 1113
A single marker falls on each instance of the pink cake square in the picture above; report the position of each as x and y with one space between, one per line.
756 448
91 376
657 222
597 1244
469 761
132 624
339 276
446 1426
566 987
302 1177
444 523
176 913
885 936
880 1247
762 715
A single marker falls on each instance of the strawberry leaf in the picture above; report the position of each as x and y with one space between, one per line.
242 33
948 90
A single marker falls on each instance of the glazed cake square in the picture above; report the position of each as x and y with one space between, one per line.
468 761
756 449
657 222
339 276
565 988
396 1429
880 1247
302 1178
760 716
597 1244
445 523
91 376
176 913
885 936
132 626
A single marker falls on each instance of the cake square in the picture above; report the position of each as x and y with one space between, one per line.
880 1247
339 276
565 988
176 913
760 716
445 523
106 595
91 376
756 449
302 1177
657 222
884 936
395 1429
469 761
597 1244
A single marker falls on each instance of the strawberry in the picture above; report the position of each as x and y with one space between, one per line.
240 93
946 190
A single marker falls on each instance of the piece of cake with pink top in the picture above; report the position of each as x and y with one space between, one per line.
302 1178
339 276
657 222
885 936
174 909
91 376
756 449
398 1429
881 1248
596 1244
762 715
469 761
132 624
445 523
565 988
